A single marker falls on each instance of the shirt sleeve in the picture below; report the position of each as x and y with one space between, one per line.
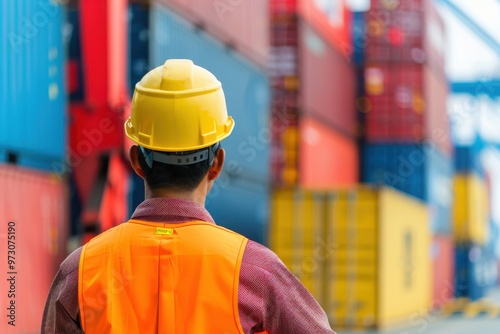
61 313
273 299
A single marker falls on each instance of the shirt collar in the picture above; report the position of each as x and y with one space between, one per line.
171 210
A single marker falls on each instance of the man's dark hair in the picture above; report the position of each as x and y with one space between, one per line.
163 175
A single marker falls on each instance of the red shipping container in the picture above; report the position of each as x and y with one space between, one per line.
395 112
327 82
244 25
406 104
443 259
332 20
405 31
104 49
326 157
34 205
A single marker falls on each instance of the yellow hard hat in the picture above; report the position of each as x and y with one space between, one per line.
178 107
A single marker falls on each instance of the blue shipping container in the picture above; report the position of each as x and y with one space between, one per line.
475 270
32 83
467 160
246 87
138 36
416 169
240 204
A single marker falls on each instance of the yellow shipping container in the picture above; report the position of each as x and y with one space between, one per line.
470 209
363 253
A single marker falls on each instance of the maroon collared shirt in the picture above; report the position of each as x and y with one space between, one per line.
269 295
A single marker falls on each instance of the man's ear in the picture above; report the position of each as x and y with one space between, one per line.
217 165
134 161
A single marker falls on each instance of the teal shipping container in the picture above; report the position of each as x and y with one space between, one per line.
239 199
32 84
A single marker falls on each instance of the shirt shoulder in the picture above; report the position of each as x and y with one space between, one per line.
71 263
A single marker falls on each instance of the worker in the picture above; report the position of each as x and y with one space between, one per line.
170 268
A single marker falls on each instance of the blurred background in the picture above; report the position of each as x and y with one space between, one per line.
366 151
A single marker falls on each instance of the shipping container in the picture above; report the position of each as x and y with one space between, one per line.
34 218
405 32
359 251
32 84
240 25
473 276
245 86
470 209
405 104
104 51
332 19
327 82
241 203
138 43
327 158
443 278
418 170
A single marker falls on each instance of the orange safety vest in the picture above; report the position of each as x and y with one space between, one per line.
142 277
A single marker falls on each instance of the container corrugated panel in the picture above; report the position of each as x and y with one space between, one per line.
364 249
443 258
297 235
138 45
240 203
246 88
332 19
327 82
38 205
243 25
32 85
470 209
327 158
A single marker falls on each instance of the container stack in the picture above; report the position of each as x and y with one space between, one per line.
470 224
404 137
313 142
33 206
